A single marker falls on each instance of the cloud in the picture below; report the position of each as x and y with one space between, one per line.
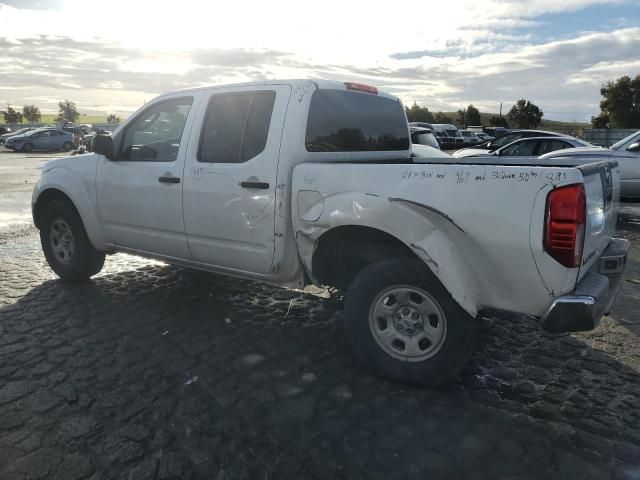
480 52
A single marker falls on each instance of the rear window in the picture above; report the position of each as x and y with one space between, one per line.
347 121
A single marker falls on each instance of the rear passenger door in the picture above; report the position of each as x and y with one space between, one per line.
230 178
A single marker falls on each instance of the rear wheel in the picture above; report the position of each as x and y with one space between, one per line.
27 147
65 243
66 146
403 324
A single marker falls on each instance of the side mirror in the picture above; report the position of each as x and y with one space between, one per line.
103 144
634 147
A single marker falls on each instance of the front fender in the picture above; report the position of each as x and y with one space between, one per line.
435 238
81 195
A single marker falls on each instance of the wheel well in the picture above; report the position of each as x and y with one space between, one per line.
44 199
342 252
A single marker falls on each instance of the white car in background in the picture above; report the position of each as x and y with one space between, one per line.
627 154
506 139
423 136
532 148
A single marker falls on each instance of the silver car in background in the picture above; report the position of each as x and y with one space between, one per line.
22 131
41 139
627 154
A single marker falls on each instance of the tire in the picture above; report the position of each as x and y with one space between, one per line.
404 325
66 146
27 147
72 257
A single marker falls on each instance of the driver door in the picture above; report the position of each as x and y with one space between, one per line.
140 191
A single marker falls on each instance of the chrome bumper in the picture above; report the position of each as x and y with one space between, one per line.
594 295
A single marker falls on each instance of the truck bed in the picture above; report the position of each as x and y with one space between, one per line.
478 224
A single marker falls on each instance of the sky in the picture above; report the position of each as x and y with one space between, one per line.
111 57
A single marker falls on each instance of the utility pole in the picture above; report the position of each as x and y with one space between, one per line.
500 109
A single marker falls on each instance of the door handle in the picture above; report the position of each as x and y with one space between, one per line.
168 179
259 185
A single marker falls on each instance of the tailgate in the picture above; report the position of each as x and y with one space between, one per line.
602 190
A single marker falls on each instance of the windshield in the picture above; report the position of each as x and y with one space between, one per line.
452 133
619 144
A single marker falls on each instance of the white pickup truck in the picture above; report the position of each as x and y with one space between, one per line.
312 182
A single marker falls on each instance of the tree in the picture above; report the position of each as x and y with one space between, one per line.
621 103
473 116
469 116
67 112
31 113
112 118
462 118
525 114
498 121
12 116
419 114
441 118
601 121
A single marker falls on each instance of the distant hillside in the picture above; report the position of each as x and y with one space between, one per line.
545 124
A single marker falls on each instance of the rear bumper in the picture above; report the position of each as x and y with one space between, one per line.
582 309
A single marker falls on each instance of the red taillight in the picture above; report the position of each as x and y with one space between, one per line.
361 87
564 224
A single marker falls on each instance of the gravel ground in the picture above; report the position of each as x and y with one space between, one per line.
151 371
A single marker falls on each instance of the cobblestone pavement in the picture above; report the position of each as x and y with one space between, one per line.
151 371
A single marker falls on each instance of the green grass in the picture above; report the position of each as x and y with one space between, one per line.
83 119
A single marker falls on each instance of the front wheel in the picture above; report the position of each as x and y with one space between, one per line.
403 324
27 147
65 244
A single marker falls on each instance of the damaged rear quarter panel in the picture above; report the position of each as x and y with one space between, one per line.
472 225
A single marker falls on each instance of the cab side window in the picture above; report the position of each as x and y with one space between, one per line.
236 126
155 135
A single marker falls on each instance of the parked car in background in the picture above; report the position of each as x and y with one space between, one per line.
4 130
41 139
420 151
451 131
469 137
444 140
4 137
421 125
495 132
626 152
77 133
529 149
499 142
423 136
484 137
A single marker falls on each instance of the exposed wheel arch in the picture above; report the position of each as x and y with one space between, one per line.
342 252
44 199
